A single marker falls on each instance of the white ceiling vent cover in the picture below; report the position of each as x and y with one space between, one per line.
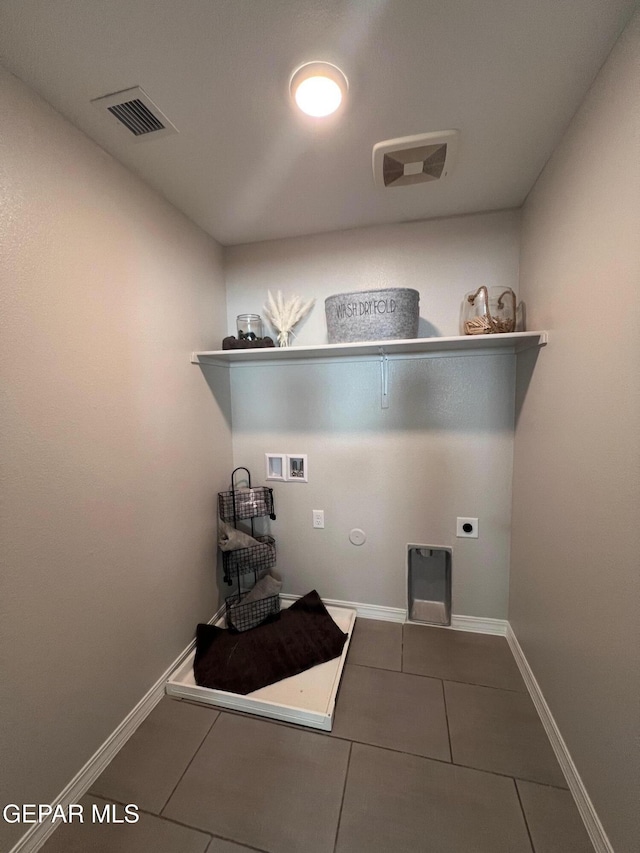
414 159
136 112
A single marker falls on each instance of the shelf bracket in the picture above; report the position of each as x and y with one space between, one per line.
384 379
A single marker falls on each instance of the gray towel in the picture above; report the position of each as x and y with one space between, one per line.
230 539
265 587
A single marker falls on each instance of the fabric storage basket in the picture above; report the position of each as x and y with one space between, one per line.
372 315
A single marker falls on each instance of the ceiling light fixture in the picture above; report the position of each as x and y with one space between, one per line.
318 88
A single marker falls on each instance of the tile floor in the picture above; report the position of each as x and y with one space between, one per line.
436 746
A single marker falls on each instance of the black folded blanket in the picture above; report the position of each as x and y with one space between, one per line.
297 639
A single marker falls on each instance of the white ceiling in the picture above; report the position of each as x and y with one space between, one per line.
508 74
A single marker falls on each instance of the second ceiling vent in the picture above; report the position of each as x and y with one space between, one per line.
414 159
135 111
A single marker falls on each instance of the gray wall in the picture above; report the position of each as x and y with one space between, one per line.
576 502
442 449
442 259
113 446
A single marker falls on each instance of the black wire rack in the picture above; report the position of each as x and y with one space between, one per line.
243 617
257 558
246 504
250 502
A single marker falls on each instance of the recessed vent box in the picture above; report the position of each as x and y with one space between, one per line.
429 584
414 159
136 113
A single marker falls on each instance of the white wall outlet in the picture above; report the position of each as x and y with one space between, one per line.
467 528
297 468
276 466
317 516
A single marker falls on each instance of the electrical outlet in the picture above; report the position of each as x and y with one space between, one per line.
317 516
467 528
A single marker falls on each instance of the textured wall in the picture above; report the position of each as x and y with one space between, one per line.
574 582
113 446
442 449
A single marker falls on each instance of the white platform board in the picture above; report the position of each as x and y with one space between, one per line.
307 699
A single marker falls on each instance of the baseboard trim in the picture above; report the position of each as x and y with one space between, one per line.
37 834
583 802
479 626
475 624
365 611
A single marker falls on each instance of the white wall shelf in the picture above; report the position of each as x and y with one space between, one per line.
415 348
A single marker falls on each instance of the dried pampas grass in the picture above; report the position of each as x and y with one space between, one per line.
284 314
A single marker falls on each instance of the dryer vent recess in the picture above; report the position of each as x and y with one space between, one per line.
429 584
410 160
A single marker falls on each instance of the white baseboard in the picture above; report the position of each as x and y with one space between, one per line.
399 614
365 611
583 802
86 776
478 625
35 837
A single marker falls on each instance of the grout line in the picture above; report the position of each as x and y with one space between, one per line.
524 815
344 789
441 678
189 763
379 668
235 843
212 836
475 684
157 816
320 732
446 716
453 764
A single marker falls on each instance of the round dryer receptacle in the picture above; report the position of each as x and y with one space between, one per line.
357 536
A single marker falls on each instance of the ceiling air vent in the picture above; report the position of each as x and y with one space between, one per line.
135 111
414 159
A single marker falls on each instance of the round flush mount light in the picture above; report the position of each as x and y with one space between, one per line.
318 88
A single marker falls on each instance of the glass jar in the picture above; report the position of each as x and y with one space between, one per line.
489 311
249 326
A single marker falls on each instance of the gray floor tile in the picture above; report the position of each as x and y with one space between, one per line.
263 785
460 656
499 730
150 764
218 845
553 819
376 643
256 785
148 834
394 710
405 804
